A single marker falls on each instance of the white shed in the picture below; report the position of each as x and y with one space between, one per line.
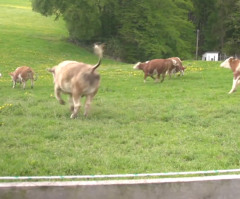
210 56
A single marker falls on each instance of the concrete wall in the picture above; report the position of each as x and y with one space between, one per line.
219 187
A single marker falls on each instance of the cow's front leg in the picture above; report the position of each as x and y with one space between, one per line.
58 95
234 85
145 77
14 84
32 83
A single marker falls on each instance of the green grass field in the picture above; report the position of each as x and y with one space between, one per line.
186 123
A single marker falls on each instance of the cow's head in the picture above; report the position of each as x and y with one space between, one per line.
11 75
14 78
136 66
140 66
226 63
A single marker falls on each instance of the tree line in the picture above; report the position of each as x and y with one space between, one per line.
139 30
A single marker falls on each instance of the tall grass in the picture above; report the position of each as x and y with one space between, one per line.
185 123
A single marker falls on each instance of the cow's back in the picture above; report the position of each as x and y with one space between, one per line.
160 65
154 65
23 72
71 75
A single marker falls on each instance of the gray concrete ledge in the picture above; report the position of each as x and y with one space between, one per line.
219 187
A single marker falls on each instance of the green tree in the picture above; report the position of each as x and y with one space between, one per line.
204 16
133 29
156 28
219 24
232 30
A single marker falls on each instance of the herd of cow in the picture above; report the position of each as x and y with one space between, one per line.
80 79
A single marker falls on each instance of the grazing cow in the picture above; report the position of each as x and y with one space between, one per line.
22 74
159 66
176 68
77 79
234 65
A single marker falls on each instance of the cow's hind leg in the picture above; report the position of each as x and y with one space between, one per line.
76 102
163 76
58 95
24 84
88 104
152 77
158 77
145 77
71 104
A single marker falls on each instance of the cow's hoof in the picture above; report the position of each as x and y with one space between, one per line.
73 116
231 92
61 102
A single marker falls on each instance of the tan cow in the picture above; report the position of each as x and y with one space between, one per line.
22 74
77 79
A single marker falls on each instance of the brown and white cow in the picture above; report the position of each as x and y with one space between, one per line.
177 67
22 74
77 79
155 66
234 65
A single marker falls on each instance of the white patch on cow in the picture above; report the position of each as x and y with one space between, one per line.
178 59
147 62
19 78
66 87
136 65
174 62
226 64
238 67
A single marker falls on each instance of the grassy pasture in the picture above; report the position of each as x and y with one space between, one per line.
183 124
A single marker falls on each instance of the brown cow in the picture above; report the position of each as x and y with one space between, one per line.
22 74
77 79
155 66
234 65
